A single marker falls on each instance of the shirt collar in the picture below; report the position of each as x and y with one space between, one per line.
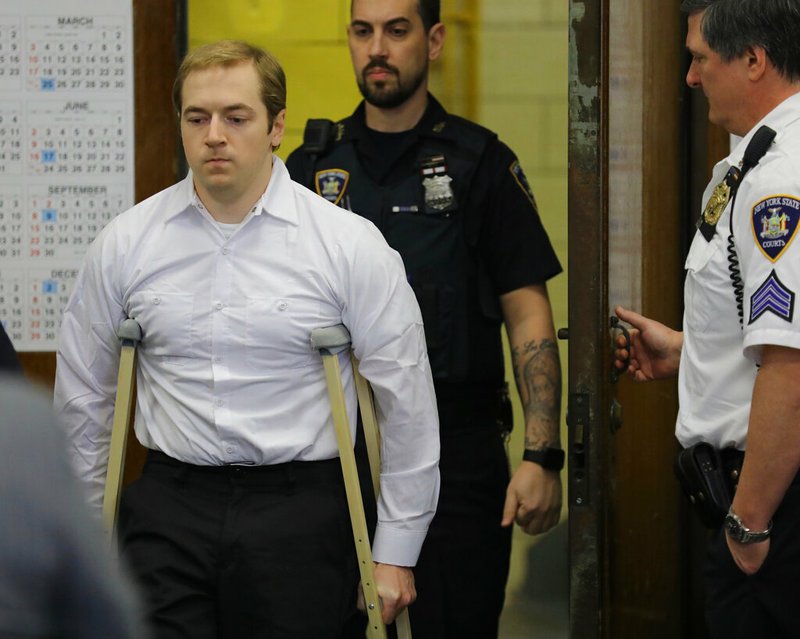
277 200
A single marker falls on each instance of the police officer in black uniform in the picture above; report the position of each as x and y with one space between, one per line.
453 200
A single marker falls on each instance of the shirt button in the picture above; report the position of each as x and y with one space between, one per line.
225 251
283 306
219 402
156 301
219 306
229 450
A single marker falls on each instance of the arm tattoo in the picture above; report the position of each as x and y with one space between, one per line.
537 372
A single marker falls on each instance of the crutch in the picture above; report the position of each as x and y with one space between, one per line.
130 334
330 341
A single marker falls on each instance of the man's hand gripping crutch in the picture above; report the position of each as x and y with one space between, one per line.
130 334
331 341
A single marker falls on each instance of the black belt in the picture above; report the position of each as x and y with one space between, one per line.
323 471
732 460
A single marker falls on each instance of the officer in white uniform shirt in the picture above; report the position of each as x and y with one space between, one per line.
738 356
239 524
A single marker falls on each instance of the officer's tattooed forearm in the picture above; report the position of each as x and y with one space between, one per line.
538 375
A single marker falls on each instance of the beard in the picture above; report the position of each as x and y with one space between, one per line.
386 95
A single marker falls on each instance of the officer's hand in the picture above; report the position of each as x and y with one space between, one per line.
395 589
655 350
749 557
533 499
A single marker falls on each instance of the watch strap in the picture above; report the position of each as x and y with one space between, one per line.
736 529
547 458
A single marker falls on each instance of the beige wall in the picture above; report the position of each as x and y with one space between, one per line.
505 66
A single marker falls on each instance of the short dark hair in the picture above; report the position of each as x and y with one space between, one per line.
731 26
430 12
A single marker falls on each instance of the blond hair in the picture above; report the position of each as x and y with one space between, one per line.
226 53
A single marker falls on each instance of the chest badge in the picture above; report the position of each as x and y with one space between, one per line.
439 194
331 184
775 224
716 203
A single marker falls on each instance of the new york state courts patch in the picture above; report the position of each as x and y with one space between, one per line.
774 221
775 225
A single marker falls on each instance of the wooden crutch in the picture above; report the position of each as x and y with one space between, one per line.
130 334
330 341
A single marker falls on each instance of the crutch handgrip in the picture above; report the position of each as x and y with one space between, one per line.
330 339
130 334
130 330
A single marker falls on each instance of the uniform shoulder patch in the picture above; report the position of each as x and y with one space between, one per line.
772 297
519 177
774 222
331 184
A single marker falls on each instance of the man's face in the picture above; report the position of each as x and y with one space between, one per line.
225 132
390 50
723 83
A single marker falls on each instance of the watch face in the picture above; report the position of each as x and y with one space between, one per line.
734 528
737 531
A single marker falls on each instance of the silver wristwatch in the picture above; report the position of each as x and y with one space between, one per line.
737 531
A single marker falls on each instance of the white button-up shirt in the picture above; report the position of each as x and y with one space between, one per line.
718 362
226 371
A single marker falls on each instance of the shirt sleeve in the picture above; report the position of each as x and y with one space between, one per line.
767 221
87 362
388 338
513 240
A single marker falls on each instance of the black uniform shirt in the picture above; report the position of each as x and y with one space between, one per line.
512 240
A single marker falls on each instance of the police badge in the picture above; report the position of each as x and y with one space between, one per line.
331 184
439 195
438 192
716 203
715 207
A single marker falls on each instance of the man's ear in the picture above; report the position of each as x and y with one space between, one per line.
436 37
757 62
278 128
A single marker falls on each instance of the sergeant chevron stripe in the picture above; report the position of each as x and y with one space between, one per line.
773 297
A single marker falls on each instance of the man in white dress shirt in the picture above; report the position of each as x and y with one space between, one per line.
238 526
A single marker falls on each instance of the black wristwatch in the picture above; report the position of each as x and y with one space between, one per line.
737 531
547 458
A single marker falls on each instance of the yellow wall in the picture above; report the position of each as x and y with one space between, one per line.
307 36
505 65
523 97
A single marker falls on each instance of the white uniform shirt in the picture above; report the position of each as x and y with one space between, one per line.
226 371
718 362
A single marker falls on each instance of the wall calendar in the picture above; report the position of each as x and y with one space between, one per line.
66 150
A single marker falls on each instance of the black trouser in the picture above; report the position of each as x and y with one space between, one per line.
233 552
764 605
462 570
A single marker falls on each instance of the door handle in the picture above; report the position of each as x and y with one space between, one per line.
617 329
